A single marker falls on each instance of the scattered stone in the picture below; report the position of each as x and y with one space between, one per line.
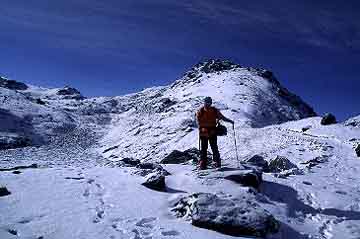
40 101
75 178
315 161
248 178
155 181
307 183
13 232
258 161
328 119
231 216
111 148
4 191
179 157
290 172
357 150
280 164
306 128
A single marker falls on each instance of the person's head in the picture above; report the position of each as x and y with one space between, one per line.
207 101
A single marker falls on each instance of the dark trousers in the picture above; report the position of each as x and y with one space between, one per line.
214 148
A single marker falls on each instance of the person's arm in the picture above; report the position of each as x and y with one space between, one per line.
197 116
222 117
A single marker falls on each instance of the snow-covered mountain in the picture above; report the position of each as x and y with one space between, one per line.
82 189
164 117
161 116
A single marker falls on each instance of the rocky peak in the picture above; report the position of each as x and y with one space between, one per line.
211 66
70 93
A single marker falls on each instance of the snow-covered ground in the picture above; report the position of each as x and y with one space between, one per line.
75 193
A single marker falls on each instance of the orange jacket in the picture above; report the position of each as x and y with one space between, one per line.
207 120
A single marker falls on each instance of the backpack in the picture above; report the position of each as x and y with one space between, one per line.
221 130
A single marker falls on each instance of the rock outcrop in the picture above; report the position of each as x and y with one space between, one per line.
4 191
231 216
328 119
12 84
357 150
155 181
70 93
258 161
279 164
10 141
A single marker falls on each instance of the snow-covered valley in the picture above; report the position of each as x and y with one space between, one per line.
80 186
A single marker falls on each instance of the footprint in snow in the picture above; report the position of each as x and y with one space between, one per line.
145 228
170 233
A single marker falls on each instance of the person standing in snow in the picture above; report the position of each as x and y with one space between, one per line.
207 118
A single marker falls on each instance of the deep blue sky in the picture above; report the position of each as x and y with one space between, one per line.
113 47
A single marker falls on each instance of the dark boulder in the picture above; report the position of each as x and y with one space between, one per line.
179 157
231 216
357 150
279 164
4 191
258 161
328 119
148 168
306 128
130 161
40 101
249 178
155 180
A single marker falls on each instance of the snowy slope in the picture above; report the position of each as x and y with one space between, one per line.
74 193
164 117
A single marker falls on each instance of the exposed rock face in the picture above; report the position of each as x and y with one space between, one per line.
258 161
280 164
130 161
70 93
237 217
155 181
357 150
354 122
214 65
328 119
179 157
34 165
12 85
10 141
4 191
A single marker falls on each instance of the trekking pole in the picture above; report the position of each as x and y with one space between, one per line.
237 157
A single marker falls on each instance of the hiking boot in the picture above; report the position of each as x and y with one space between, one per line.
217 164
202 165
